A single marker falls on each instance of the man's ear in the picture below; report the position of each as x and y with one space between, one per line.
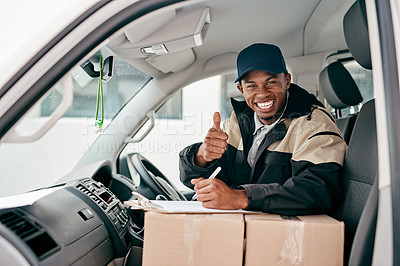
240 87
288 79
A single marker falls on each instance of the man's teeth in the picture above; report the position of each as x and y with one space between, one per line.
265 105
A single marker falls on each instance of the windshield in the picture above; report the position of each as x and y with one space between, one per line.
54 155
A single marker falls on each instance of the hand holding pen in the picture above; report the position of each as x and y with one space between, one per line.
213 175
214 193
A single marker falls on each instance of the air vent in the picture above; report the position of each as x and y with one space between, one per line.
18 225
30 232
91 195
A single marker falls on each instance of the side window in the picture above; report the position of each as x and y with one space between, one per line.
72 134
172 109
228 91
126 81
183 120
363 79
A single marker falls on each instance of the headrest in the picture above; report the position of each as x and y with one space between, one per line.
356 34
339 87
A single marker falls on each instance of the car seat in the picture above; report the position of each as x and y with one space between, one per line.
341 91
360 170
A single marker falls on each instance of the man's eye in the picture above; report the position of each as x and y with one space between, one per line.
251 86
271 82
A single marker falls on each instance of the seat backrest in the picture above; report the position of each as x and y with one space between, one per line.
359 172
341 91
360 204
363 242
346 125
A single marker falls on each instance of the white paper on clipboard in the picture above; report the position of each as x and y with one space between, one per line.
182 207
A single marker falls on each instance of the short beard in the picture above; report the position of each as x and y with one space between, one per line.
271 119
276 115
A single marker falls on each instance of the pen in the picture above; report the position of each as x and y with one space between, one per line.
213 175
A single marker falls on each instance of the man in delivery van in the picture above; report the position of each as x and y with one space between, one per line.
280 151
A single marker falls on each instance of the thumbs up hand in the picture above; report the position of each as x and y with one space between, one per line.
214 143
217 121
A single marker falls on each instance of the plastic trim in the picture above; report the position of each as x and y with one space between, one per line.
391 85
68 96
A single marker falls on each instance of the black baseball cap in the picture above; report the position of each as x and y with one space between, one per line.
260 56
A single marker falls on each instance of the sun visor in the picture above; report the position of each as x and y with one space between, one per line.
181 60
169 40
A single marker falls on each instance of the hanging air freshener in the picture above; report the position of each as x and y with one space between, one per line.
99 103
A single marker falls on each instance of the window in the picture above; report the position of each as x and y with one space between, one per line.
172 109
196 103
125 82
64 144
363 79
229 90
185 119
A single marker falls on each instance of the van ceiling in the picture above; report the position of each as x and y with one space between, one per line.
298 27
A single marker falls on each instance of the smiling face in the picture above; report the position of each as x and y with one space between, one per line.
265 93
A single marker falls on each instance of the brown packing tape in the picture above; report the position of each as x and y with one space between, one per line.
312 240
191 238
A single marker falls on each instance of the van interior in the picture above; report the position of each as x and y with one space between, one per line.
68 208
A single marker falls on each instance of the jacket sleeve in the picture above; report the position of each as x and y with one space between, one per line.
188 170
315 186
313 189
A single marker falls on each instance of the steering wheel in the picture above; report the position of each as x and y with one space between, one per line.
158 183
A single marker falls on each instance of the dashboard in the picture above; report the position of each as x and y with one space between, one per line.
81 222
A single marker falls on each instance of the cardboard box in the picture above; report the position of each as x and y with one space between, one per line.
220 239
303 240
193 239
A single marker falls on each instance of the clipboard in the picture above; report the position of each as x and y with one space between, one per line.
182 207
